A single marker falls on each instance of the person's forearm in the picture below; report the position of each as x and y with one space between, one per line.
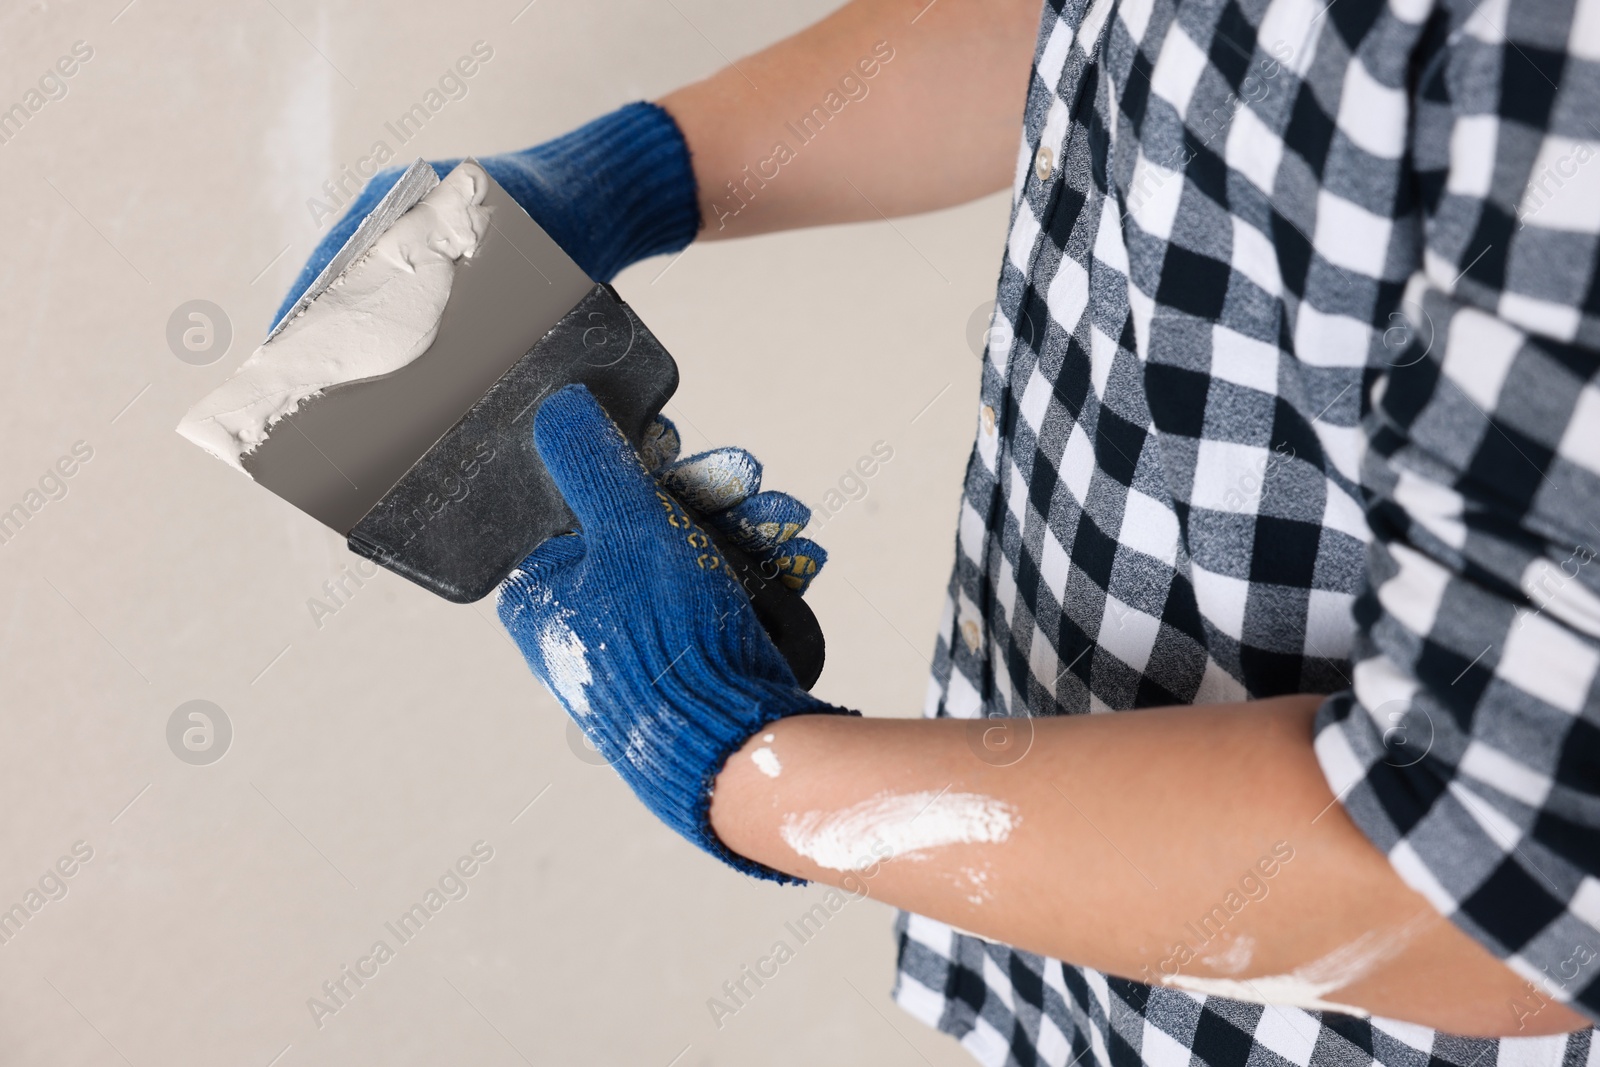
865 112
1179 845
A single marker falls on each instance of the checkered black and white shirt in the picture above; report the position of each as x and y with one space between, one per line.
1293 385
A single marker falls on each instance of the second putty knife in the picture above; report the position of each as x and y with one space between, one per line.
430 470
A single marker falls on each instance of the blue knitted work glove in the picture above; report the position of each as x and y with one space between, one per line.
611 193
637 627
723 487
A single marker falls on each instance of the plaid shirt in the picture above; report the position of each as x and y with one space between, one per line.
1293 385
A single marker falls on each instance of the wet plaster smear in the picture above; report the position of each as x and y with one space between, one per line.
765 759
381 314
1308 986
909 824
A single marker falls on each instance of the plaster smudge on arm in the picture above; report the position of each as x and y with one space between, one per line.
765 759
907 824
1308 986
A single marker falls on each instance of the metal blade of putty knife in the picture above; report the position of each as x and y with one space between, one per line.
431 471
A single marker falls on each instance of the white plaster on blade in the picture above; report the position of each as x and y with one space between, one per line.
910 824
381 314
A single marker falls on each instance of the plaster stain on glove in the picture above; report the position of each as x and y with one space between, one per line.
714 481
762 521
608 617
661 444
566 665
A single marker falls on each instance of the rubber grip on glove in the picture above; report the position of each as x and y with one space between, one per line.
783 614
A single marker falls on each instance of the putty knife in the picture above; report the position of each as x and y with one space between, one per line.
431 472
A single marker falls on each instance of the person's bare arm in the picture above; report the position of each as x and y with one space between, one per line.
935 123
1126 835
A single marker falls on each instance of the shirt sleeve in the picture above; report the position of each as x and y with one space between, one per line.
1468 748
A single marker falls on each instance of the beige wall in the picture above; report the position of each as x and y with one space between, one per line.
377 749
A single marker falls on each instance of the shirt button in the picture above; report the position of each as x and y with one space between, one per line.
971 634
988 420
1044 162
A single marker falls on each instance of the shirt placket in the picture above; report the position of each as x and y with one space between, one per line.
1044 182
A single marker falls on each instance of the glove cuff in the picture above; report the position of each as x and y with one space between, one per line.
705 744
612 192
625 181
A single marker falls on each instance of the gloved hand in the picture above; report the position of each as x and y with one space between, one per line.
723 487
635 624
611 193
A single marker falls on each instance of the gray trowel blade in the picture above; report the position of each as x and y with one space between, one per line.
432 471
340 452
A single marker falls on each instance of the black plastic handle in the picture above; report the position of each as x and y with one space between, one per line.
480 499
782 612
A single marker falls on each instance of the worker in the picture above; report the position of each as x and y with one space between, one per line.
1287 454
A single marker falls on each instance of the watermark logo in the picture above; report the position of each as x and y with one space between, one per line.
451 886
581 746
199 332
199 732
339 191
52 885
1409 338
999 740
52 86
340 590
852 87
1536 996
987 331
599 341
852 485
1545 185
1409 735
1199 934
52 486
738 991
1544 583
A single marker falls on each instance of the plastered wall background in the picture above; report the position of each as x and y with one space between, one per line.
372 747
